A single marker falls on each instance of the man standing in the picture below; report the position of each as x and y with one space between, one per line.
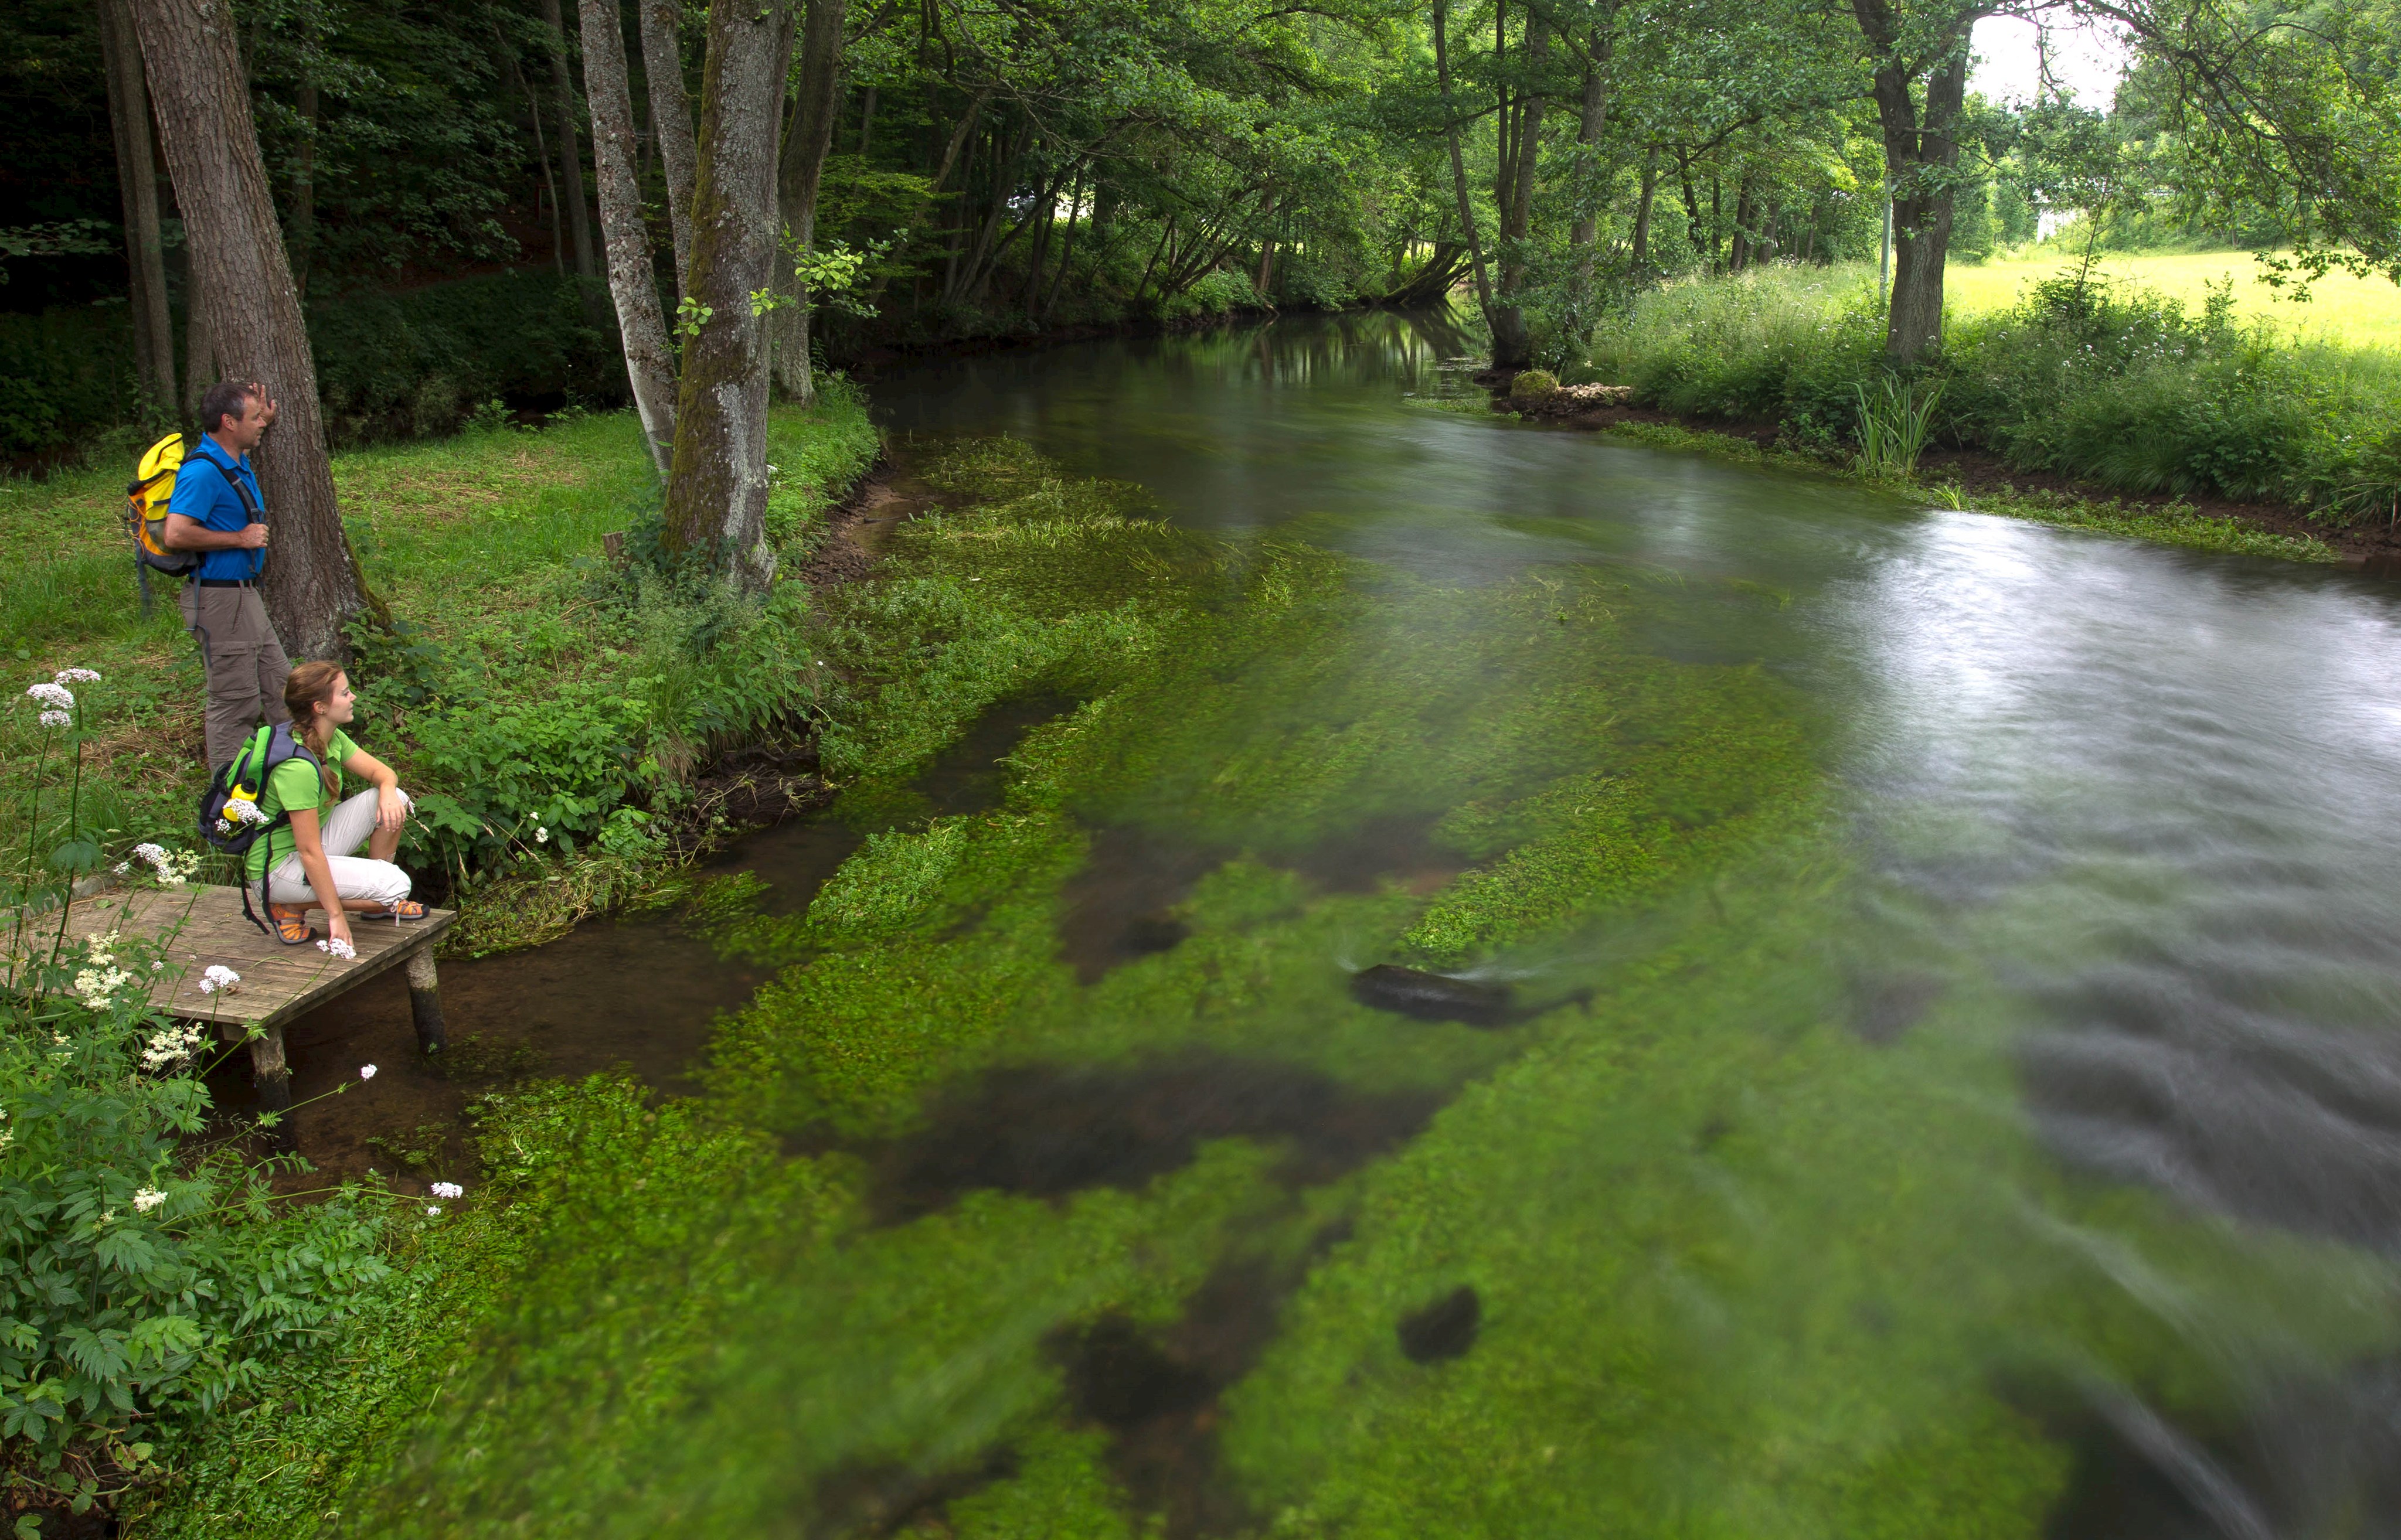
215 510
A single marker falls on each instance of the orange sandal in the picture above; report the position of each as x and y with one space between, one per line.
291 923
408 909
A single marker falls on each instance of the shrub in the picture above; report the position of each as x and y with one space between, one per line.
147 1282
2118 386
1533 385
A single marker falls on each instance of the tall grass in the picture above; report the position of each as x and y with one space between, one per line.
2115 384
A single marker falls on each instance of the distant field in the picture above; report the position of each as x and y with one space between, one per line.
2356 312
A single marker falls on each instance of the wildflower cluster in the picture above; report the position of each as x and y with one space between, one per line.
172 868
96 984
170 1045
57 701
335 946
218 976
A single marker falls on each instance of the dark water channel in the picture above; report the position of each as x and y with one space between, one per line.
639 994
2123 820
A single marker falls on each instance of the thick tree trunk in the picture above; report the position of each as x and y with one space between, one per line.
717 486
650 363
1468 233
253 310
200 343
671 122
1919 155
137 182
1743 211
796 190
570 160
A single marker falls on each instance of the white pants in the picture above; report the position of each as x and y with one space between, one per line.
342 831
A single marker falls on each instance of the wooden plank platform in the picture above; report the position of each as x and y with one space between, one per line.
204 925
200 926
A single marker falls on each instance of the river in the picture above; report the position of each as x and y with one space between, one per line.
2004 1138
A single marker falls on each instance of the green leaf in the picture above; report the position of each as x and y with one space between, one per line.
76 856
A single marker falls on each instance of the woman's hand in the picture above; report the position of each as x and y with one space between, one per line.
337 925
392 808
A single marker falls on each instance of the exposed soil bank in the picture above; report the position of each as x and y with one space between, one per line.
1979 473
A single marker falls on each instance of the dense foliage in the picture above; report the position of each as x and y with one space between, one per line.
997 171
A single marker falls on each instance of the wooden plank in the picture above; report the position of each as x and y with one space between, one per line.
200 926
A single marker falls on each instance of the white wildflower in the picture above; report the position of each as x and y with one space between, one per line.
434 1208
148 1198
98 987
155 966
53 695
170 1045
219 977
334 946
448 1189
57 719
108 1215
123 866
76 676
366 1071
97 947
541 835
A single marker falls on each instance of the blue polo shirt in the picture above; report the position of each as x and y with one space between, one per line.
203 495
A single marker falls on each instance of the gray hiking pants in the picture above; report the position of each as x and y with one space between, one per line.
246 663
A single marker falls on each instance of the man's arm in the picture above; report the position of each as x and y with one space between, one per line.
189 534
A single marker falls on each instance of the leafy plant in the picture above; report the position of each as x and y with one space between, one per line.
1895 427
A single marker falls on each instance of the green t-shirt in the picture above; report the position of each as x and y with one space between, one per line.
296 786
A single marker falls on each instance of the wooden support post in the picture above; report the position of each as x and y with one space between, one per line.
425 1000
272 1078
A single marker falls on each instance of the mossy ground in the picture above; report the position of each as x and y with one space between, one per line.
1742 1272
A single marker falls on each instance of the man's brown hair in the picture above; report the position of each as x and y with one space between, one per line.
223 400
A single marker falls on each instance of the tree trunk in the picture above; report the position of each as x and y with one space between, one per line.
633 283
717 486
795 191
570 159
304 192
866 120
253 310
1743 211
137 182
1919 155
1468 232
1521 134
541 151
1585 238
200 343
671 122
1066 250
1642 212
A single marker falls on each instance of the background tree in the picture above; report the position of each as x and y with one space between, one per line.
633 284
253 309
717 484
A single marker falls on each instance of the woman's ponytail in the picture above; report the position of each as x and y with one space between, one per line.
306 689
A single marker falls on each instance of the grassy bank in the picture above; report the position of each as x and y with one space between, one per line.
1738 1269
536 687
2120 389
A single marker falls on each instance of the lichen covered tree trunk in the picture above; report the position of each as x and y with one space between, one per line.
671 122
650 363
251 310
717 484
796 188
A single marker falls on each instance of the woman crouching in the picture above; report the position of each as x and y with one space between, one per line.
307 860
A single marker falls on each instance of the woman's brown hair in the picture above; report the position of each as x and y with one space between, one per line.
306 689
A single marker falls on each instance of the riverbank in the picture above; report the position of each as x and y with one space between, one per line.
562 719
1970 480
2087 403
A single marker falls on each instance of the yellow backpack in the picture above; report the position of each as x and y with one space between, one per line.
145 512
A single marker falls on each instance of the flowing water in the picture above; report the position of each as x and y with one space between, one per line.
1991 1127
